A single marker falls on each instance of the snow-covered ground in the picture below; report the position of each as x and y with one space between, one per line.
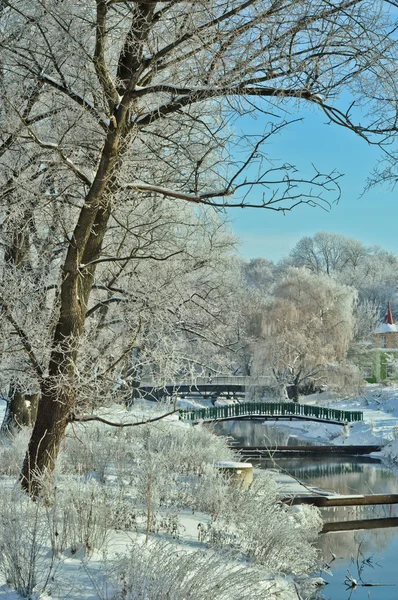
79 578
115 479
379 405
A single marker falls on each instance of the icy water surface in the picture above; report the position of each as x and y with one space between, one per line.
369 556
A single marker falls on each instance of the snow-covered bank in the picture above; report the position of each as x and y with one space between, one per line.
115 489
143 481
379 405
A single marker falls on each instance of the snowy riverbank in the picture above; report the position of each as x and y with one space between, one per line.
116 489
101 458
379 405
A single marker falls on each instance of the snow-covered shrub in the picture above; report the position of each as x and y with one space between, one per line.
254 523
90 452
211 493
123 513
25 562
97 450
188 449
154 482
13 446
168 465
82 513
160 570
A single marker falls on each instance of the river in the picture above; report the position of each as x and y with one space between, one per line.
367 555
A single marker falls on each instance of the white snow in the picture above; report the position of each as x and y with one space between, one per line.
232 465
379 404
380 425
386 328
77 574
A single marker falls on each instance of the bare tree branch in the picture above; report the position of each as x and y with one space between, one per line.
88 418
24 339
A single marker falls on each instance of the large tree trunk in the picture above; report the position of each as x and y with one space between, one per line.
295 391
58 390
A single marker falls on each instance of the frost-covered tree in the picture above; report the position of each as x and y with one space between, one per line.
329 253
108 106
309 324
370 270
259 275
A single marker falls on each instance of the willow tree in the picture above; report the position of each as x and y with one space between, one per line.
307 328
110 102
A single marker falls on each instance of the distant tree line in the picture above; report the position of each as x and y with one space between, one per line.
310 313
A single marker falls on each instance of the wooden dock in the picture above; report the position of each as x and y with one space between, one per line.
381 523
292 451
337 500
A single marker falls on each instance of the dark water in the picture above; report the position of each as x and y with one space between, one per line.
370 556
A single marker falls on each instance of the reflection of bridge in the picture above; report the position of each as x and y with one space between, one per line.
271 410
207 386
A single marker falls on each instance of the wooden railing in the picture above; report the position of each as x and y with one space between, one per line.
277 409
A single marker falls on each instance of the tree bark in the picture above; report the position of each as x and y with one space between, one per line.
295 387
58 390
295 392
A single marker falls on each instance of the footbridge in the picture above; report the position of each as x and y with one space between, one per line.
271 411
210 387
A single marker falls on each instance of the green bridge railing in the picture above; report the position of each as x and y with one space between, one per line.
277 409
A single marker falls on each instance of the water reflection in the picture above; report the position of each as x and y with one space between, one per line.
323 470
255 433
353 475
381 546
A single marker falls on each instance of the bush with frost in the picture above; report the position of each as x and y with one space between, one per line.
13 446
92 450
158 465
256 524
169 464
161 570
25 562
100 450
83 512
187 449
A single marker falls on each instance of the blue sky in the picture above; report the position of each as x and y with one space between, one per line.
372 218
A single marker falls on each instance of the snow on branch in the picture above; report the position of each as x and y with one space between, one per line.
73 95
51 146
87 418
188 96
320 181
27 346
126 258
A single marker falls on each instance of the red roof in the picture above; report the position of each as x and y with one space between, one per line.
388 318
